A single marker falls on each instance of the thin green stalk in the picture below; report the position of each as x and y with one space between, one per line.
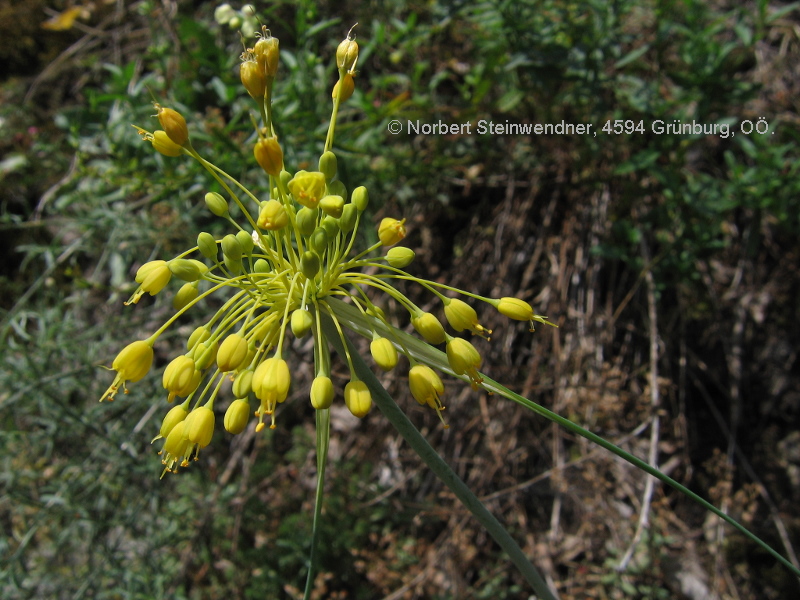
323 439
491 385
435 462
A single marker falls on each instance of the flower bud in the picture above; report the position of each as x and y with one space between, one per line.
185 296
346 54
348 85
306 220
400 257
332 205
234 265
207 245
198 336
253 79
429 327
358 399
243 383
269 155
322 392
246 242
232 353
336 188
187 269
200 426
272 216
383 353
391 231
231 247
173 124
205 354
216 204
307 187
301 322
309 264
360 198
266 51
163 144
236 416
331 226
319 240
348 219
328 165
261 266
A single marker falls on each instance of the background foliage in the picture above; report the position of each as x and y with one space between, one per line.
663 258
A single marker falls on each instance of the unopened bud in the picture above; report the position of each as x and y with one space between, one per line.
306 220
216 204
327 165
400 257
332 205
360 198
231 247
309 264
207 245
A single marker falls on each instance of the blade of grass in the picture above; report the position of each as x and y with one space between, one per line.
435 462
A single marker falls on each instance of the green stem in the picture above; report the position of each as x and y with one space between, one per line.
435 462
637 462
323 439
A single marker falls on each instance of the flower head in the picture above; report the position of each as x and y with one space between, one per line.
285 266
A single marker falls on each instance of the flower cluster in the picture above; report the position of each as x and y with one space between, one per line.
289 265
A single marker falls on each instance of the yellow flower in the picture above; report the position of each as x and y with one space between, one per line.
269 155
308 188
266 52
173 124
271 382
517 309
163 144
200 426
175 415
429 327
427 388
176 450
391 231
252 77
464 360
462 316
180 377
358 399
131 364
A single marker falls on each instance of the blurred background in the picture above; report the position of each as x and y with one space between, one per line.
669 262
